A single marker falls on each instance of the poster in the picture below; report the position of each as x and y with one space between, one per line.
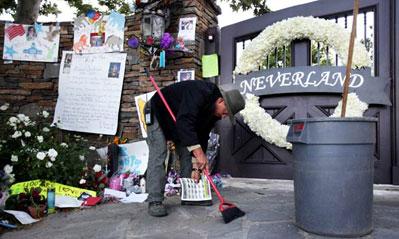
187 28
140 102
133 157
184 75
31 42
89 92
103 33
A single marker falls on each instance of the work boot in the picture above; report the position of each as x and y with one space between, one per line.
157 209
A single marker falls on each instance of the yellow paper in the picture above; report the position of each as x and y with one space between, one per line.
210 65
60 189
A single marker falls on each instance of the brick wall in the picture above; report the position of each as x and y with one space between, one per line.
30 86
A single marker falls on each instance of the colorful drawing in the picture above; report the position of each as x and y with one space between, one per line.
81 44
113 41
133 157
103 33
33 50
14 31
31 42
117 20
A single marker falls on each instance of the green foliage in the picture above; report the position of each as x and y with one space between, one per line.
48 7
37 150
259 6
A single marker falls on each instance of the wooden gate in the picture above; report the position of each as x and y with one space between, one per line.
243 154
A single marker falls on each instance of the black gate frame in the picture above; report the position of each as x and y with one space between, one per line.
386 54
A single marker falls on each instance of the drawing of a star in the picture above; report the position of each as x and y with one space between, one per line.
10 51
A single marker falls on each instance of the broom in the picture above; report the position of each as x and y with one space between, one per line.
229 210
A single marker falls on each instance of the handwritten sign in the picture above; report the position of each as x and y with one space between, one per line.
60 189
315 79
89 92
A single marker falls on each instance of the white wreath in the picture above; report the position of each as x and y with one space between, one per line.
280 34
315 29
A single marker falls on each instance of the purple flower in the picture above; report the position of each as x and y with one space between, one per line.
133 42
166 40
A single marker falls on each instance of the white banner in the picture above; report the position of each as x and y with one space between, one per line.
89 92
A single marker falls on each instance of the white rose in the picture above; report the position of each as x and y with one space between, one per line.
65 145
92 148
4 107
21 117
52 159
14 158
52 153
82 181
81 157
40 138
41 155
49 164
45 114
13 120
7 169
45 129
97 168
27 134
16 134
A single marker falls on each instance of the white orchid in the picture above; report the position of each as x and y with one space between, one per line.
40 138
16 134
283 32
41 155
45 114
97 168
7 169
27 134
4 107
14 158
354 107
262 124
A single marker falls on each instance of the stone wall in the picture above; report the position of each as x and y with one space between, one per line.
30 86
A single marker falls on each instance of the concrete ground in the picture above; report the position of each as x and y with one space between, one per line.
269 205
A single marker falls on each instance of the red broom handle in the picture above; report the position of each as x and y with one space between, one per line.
221 199
162 98
174 119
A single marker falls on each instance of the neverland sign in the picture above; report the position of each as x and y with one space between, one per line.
315 79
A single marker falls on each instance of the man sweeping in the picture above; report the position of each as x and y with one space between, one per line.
197 105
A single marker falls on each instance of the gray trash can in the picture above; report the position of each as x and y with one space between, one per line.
333 174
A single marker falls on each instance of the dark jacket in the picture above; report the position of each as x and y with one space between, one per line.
193 104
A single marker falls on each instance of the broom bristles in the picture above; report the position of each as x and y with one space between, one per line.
231 213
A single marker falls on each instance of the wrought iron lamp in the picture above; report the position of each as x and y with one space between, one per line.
153 24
